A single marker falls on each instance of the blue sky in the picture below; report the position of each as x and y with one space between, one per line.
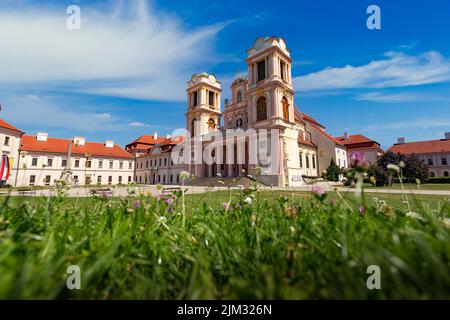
124 72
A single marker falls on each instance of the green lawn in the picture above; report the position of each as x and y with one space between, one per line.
413 186
262 246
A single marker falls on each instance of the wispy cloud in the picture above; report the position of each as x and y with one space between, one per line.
47 113
396 70
422 123
400 97
133 50
136 124
390 97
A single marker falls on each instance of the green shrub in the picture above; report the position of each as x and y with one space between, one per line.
438 180
333 171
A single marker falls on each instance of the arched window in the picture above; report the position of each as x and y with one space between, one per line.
239 122
211 124
445 173
285 104
261 109
239 96
432 174
193 125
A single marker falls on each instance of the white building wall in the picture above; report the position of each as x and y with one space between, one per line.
341 158
11 150
437 165
158 169
121 171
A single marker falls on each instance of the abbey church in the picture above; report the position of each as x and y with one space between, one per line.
264 100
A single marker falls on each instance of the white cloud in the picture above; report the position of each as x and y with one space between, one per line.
422 123
136 124
46 113
133 50
389 97
397 70
103 115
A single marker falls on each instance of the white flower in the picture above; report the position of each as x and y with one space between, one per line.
248 200
393 167
184 175
414 215
206 242
159 260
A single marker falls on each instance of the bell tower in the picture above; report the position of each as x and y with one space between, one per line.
271 106
270 83
204 113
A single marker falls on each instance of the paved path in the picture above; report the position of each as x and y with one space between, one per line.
153 190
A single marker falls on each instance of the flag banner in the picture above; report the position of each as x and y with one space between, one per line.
5 168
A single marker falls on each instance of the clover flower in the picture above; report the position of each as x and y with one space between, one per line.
226 206
357 159
137 204
170 201
318 190
362 210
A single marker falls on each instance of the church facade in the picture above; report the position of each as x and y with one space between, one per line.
260 130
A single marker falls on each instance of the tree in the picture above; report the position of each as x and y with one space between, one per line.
379 174
333 172
412 167
390 158
415 168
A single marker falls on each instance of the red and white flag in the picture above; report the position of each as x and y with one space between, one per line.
5 168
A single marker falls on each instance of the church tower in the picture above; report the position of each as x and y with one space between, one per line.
204 112
270 84
271 105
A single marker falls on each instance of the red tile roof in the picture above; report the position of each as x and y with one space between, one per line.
148 139
358 141
6 125
326 135
166 146
57 145
306 142
418 147
308 118
302 117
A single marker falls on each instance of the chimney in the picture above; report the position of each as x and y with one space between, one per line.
155 135
42 136
346 136
79 141
401 140
447 135
109 144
